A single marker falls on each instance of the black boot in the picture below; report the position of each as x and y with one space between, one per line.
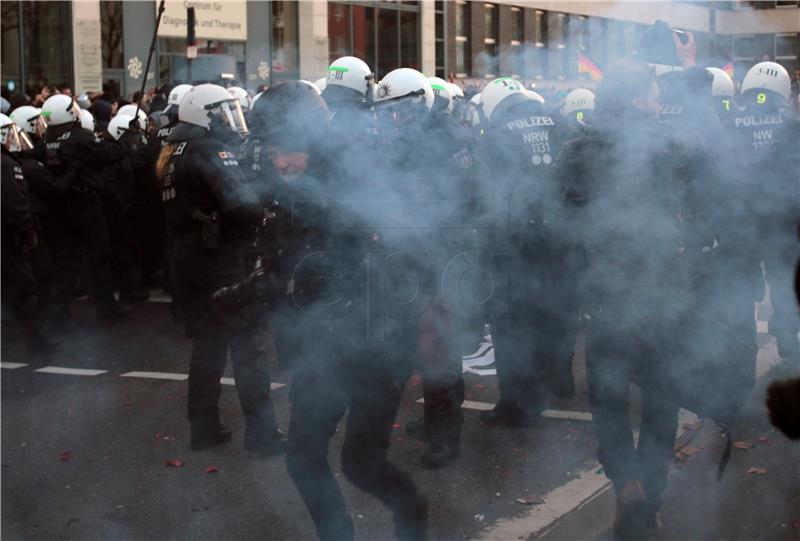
208 434
439 454
116 312
506 414
264 443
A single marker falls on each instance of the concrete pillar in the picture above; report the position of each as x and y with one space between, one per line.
259 30
139 22
87 53
313 17
427 38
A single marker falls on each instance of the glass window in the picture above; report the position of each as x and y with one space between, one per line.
785 45
539 27
111 34
409 39
338 30
517 25
364 34
743 47
9 20
462 19
490 21
462 58
284 41
47 50
785 3
388 46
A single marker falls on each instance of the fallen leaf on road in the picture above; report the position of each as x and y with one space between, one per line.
531 500
743 445
174 462
65 456
211 469
680 458
396 425
157 436
757 471
692 426
765 440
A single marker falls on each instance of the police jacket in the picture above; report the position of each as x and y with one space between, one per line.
623 204
204 190
42 191
18 231
72 154
118 189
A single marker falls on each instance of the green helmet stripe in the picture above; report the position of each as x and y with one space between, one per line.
339 69
437 87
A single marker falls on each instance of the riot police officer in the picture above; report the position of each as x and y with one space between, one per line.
534 322
762 207
171 111
336 367
21 289
72 155
577 111
210 212
722 94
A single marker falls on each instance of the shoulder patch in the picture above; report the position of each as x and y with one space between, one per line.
463 159
179 150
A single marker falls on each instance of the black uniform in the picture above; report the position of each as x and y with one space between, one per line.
762 207
20 286
535 317
339 364
74 158
210 211
623 206
449 174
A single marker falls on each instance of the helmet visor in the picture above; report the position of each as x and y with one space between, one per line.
232 116
11 137
24 141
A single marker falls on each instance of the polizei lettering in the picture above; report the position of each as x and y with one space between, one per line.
530 122
760 120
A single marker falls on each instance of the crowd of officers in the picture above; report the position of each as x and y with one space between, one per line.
376 227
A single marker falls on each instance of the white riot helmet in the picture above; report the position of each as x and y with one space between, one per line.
6 129
350 72
497 91
83 101
240 94
722 86
473 111
130 110
60 109
28 118
769 76
119 125
175 97
87 120
205 102
442 94
578 100
534 95
254 100
404 84
321 83
312 85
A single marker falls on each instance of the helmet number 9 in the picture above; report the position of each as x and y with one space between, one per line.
761 99
579 116
727 104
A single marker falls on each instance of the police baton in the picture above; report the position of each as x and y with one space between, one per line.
149 58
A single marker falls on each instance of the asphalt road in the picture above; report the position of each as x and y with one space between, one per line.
84 457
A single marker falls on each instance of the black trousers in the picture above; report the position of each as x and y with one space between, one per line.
616 357
368 382
198 272
534 327
81 225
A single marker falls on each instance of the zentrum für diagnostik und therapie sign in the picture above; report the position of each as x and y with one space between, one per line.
223 20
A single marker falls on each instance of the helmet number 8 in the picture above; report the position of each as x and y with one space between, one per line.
761 99
579 116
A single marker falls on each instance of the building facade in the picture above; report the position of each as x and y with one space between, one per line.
94 44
